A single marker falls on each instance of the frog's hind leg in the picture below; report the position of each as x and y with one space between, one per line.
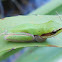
40 39
19 37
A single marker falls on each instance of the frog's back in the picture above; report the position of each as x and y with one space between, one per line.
36 29
27 28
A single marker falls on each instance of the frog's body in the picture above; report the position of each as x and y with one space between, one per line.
30 30
35 29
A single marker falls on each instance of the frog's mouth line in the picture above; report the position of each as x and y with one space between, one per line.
51 34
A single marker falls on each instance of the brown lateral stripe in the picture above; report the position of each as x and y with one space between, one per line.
51 33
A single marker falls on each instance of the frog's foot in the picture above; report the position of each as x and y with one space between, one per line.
19 37
40 39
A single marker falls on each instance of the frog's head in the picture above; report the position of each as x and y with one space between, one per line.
51 34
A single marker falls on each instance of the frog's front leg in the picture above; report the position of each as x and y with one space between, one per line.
19 37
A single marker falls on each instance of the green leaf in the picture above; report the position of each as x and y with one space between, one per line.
50 8
10 22
44 54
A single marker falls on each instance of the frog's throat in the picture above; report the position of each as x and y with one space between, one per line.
51 34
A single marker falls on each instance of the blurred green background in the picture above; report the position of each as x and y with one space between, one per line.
29 7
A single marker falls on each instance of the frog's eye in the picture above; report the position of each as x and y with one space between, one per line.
54 32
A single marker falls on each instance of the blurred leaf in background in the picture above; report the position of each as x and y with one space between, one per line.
19 7
50 8
41 54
